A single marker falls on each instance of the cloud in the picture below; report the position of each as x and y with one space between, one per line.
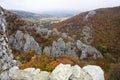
42 5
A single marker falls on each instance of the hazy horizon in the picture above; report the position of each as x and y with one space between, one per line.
57 5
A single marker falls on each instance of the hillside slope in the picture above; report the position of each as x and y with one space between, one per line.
100 28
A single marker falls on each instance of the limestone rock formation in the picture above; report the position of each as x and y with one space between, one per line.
43 75
5 53
76 72
32 71
88 51
61 72
90 14
95 71
47 50
70 49
24 42
87 34
58 47
68 72
21 75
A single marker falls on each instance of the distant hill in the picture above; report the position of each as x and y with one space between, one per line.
100 27
25 14
46 14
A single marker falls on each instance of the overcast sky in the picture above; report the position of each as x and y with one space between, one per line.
49 5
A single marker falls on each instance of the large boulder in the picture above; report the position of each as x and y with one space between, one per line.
88 51
43 75
24 42
6 56
95 71
21 75
68 72
32 71
76 72
79 74
61 72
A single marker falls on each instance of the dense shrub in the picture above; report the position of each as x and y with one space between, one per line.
110 58
50 66
115 74
73 59
102 48
103 64
25 57
48 63
38 62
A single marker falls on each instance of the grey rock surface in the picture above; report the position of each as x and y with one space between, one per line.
43 75
58 47
47 50
95 71
31 44
70 49
88 51
90 14
61 72
24 42
6 56
87 34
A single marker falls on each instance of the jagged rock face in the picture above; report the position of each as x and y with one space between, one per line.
70 49
24 42
5 53
88 51
42 31
58 47
47 50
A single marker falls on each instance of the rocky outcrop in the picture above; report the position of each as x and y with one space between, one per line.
47 50
24 42
78 50
60 48
68 72
88 51
71 49
61 72
5 53
90 14
87 34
